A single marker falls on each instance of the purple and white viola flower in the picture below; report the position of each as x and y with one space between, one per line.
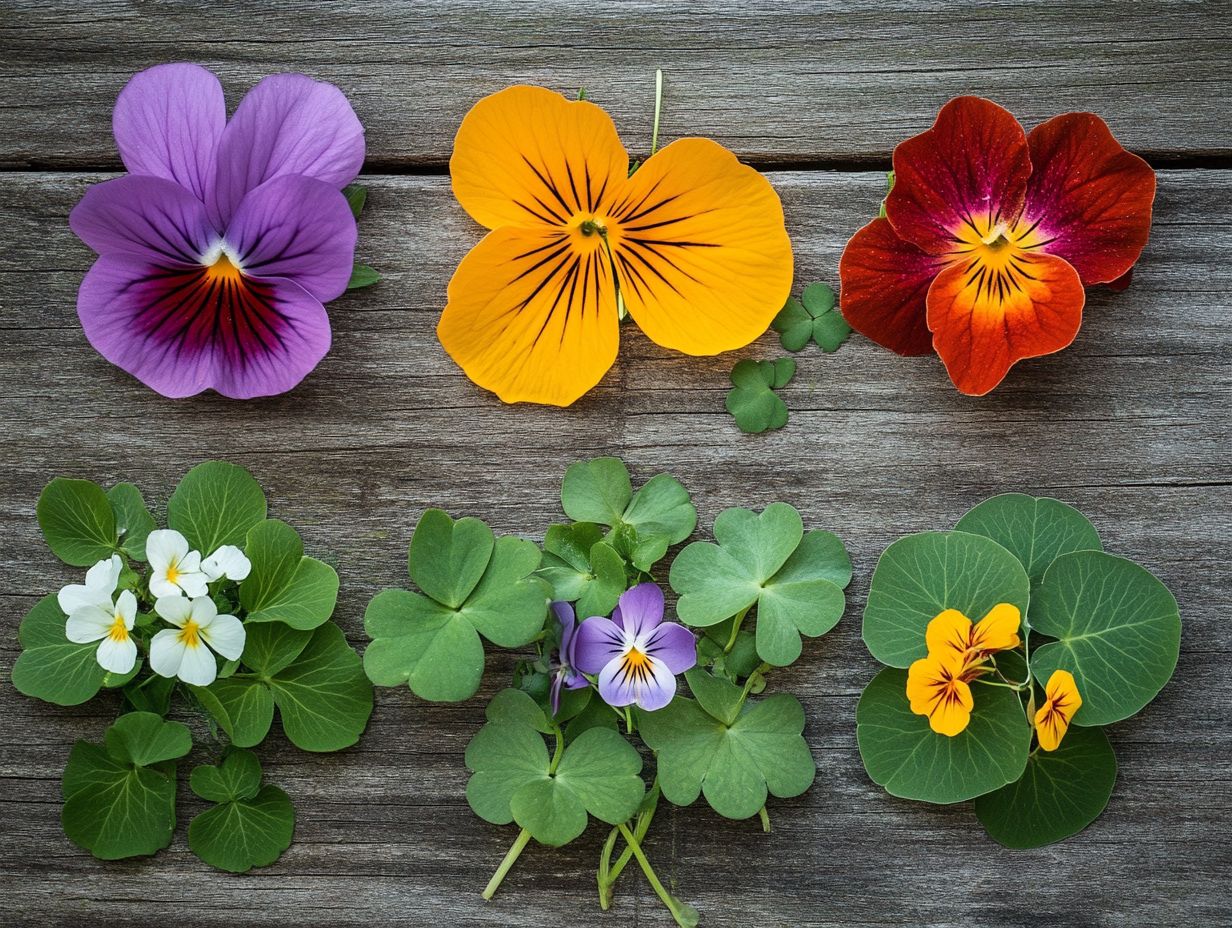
635 653
219 248
566 675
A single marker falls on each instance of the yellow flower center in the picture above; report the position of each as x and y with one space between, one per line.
190 634
636 659
119 630
173 572
223 270
996 253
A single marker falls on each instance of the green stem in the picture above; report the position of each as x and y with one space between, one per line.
735 632
673 905
765 819
506 865
640 828
603 876
628 721
654 134
560 748
1016 687
748 684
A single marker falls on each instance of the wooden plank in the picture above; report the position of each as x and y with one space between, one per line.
1131 424
780 82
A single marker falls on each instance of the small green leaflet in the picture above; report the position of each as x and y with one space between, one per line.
216 504
473 584
133 521
284 585
657 516
1060 793
814 317
752 401
250 826
77 521
795 579
583 568
761 753
119 800
362 276
356 197
881 212
909 759
1118 632
50 667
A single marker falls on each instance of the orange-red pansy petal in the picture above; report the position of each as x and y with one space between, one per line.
1089 196
981 329
532 316
883 284
700 249
527 156
970 167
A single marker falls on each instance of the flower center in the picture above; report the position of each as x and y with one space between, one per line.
119 629
190 634
173 572
636 660
222 264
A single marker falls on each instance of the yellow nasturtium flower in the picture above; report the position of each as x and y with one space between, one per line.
1061 701
693 244
936 688
953 631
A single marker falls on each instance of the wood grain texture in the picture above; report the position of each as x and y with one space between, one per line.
1131 424
779 81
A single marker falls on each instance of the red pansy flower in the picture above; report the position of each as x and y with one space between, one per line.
990 235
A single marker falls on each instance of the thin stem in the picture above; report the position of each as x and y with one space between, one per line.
673 905
560 748
749 683
654 134
735 632
603 876
506 865
765 819
642 826
1016 687
628 721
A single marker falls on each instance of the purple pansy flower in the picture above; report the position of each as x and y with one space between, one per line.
635 653
566 675
218 249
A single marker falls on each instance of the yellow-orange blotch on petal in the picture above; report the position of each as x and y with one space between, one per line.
1061 701
935 688
952 632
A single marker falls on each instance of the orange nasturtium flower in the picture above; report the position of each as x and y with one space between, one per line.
953 631
990 235
1060 703
692 244
936 687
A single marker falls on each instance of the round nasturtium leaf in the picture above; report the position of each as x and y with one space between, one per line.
920 576
216 504
77 521
1118 632
1036 530
1060 793
51 667
906 757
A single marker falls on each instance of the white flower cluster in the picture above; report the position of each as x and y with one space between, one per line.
179 581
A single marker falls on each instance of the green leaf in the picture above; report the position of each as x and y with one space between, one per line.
216 504
153 694
133 521
719 697
417 641
794 325
601 770
812 318
581 568
662 515
323 697
518 706
608 582
503 756
795 579
596 491
906 757
1118 632
362 276
115 807
356 197
1036 530
237 777
244 833
1060 793
920 576
244 709
284 586
447 559
270 648
734 766
77 521
752 400
51 667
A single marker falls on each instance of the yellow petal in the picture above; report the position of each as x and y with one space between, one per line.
949 632
935 690
701 251
998 631
953 715
526 156
532 315
1062 700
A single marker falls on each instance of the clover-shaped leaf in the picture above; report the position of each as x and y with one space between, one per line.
910 760
814 317
920 576
657 516
735 766
250 826
513 779
1118 632
284 585
119 799
77 520
133 521
795 579
1060 793
473 584
583 568
216 504
752 400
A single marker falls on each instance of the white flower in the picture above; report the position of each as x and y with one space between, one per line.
228 561
101 580
110 626
173 568
181 651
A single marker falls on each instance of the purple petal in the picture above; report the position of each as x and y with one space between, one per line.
148 218
573 679
298 228
650 685
184 330
287 124
167 123
641 608
599 641
674 645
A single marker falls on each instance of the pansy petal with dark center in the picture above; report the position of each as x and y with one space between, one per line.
639 678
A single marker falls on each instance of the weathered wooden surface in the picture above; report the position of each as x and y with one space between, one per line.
1131 424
